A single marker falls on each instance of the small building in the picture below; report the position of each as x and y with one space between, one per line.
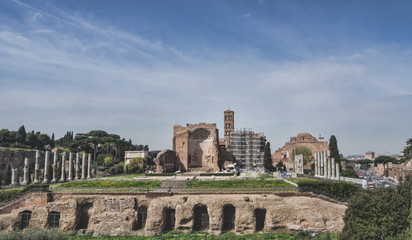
370 155
247 148
129 155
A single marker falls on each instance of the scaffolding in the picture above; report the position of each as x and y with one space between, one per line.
247 148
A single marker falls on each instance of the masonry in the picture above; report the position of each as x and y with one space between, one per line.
126 214
197 147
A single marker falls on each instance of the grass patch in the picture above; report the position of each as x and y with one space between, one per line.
15 149
205 236
109 184
238 184
11 193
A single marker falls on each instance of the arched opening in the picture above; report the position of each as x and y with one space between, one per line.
53 219
228 217
169 220
83 220
25 219
201 218
141 217
260 216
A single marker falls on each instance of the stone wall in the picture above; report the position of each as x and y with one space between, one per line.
197 146
118 214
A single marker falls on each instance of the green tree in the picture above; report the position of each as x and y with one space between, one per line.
7 176
21 135
52 142
307 154
349 172
108 161
379 214
365 163
31 140
136 165
280 166
407 151
384 160
43 140
333 148
267 158
6 138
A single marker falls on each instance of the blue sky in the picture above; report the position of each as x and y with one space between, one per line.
136 68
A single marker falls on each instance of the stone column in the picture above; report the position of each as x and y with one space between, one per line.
14 177
26 172
77 167
321 164
36 167
46 167
63 175
84 166
330 167
325 159
333 168
316 164
55 159
89 167
337 171
70 167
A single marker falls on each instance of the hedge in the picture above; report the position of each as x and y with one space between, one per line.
237 183
340 189
159 174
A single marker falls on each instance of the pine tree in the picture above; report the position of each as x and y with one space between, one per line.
7 176
333 148
267 158
52 142
21 135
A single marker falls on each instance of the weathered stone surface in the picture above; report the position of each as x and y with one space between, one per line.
117 214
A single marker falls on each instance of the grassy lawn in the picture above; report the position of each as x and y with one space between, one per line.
15 149
296 180
238 184
108 184
200 235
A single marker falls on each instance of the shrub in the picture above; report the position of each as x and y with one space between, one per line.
108 161
34 234
8 194
116 169
340 189
136 165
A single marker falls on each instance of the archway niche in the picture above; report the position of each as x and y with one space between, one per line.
229 213
141 217
260 216
53 219
201 218
169 219
84 216
25 219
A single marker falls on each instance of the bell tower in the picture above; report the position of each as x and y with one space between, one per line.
229 120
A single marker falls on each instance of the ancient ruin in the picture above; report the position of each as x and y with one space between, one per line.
284 154
197 147
120 214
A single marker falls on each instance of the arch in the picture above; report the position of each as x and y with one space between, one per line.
53 219
25 219
260 216
201 218
141 217
169 219
229 212
84 216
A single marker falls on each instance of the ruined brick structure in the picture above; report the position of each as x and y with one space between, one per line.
284 154
125 214
197 147
167 162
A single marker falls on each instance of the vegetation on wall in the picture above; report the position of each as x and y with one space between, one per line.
305 151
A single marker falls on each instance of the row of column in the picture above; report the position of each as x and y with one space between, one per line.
325 166
26 173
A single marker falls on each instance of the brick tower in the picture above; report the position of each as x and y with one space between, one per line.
229 121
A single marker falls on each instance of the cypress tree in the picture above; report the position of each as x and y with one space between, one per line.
7 176
267 158
52 142
21 135
333 148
